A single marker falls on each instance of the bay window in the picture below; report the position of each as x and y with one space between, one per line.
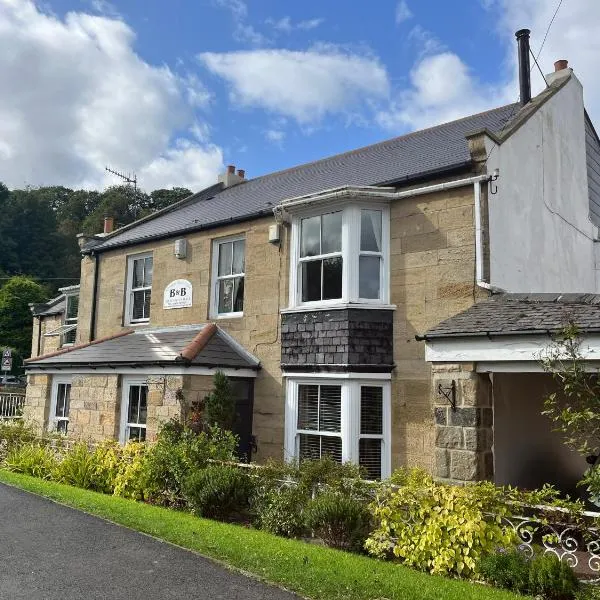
139 288
340 256
345 419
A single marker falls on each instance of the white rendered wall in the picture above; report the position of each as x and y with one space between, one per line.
541 238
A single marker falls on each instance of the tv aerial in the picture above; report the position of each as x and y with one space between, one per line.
126 178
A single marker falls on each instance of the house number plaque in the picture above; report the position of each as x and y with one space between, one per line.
178 294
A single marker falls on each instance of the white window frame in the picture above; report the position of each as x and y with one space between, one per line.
351 223
129 288
350 417
127 384
52 418
69 322
215 279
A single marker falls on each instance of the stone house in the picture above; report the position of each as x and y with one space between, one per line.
314 288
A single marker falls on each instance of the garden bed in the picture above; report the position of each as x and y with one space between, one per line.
307 569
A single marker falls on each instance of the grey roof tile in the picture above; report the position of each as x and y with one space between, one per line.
515 314
400 159
153 346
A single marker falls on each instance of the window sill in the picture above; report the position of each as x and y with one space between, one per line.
225 316
137 324
338 306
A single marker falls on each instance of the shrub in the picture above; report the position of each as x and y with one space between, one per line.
438 528
507 569
131 480
284 490
108 460
177 453
13 434
340 521
218 491
32 459
551 579
219 405
77 467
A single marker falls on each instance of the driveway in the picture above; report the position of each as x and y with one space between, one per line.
52 552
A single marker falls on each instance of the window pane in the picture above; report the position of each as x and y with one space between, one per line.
371 410
225 258
62 426
137 434
138 273
331 233
238 294
370 230
141 305
239 248
369 457
311 280
310 447
310 243
369 272
147 297
330 408
226 295
332 446
72 307
308 407
63 394
70 337
332 278
143 412
134 404
148 268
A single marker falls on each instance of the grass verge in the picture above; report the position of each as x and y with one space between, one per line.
309 570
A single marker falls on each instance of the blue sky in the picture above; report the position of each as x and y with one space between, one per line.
175 90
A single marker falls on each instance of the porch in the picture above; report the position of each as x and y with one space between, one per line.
489 388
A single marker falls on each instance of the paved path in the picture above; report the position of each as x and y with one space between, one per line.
51 552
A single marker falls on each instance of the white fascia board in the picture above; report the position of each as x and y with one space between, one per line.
500 349
156 370
326 375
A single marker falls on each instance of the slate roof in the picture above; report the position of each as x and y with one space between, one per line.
521 314
147 347
409 157
56 306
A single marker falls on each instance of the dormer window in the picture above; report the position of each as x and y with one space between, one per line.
71 312
340 256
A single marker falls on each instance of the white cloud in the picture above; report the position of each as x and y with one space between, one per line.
243 31
105 8
302 85
442 89
286 25
81 98
403 13
275 135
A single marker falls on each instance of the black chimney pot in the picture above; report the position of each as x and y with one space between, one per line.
524 66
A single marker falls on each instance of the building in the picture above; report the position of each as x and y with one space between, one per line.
309 287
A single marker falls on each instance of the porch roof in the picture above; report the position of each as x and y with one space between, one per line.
203 345
521 314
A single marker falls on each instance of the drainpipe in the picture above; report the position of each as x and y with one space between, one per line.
39 344
94 296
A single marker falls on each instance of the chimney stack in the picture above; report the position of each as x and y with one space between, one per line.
524 66
109 224
561 64
561 70
230 177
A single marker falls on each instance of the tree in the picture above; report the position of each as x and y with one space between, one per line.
219 405
16 322
575 409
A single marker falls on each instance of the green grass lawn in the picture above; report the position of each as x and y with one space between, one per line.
310 570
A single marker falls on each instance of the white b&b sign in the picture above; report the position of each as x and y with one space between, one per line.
178 294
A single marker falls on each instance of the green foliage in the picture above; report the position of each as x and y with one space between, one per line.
13 434
78 467
591 480
219 405
108 462
130 481
588 591
575 411
32 459
284 490
340 521
178 452
551 579
218 491
438 528
15 316
508 569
